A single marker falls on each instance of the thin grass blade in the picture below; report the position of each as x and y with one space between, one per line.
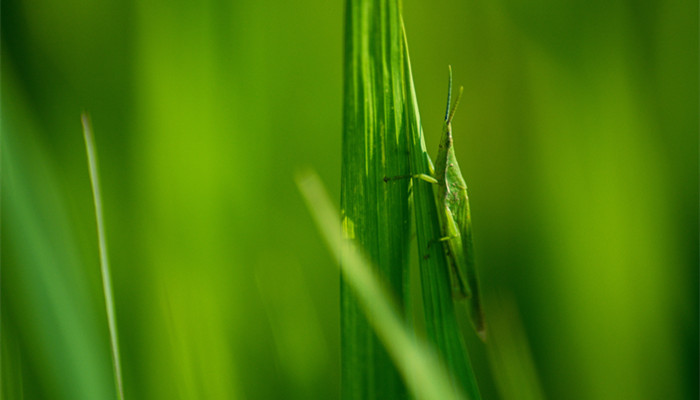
104 257
441 323
509 352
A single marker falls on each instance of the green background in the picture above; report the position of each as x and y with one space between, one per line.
578 136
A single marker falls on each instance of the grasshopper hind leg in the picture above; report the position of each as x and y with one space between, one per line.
460 288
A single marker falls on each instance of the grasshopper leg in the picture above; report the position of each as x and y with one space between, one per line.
424 177
442 239
460 288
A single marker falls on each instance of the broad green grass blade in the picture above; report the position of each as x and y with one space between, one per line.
375 214
104 258
441 323
420 368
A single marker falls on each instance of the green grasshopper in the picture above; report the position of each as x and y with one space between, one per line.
455 220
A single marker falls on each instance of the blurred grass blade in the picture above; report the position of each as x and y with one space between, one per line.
104 258
11 368
375 214
441 323
55 348
509 353
422 372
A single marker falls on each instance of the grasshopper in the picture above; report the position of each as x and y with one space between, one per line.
455 220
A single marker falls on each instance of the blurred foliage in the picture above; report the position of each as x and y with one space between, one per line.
578 135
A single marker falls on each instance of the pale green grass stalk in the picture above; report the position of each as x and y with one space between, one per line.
423 374
104 258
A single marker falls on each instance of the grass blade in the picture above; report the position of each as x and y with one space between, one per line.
423 374
441 323
104 258
375 213
510 356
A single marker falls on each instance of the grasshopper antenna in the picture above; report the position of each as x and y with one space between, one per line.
449 93
448 120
